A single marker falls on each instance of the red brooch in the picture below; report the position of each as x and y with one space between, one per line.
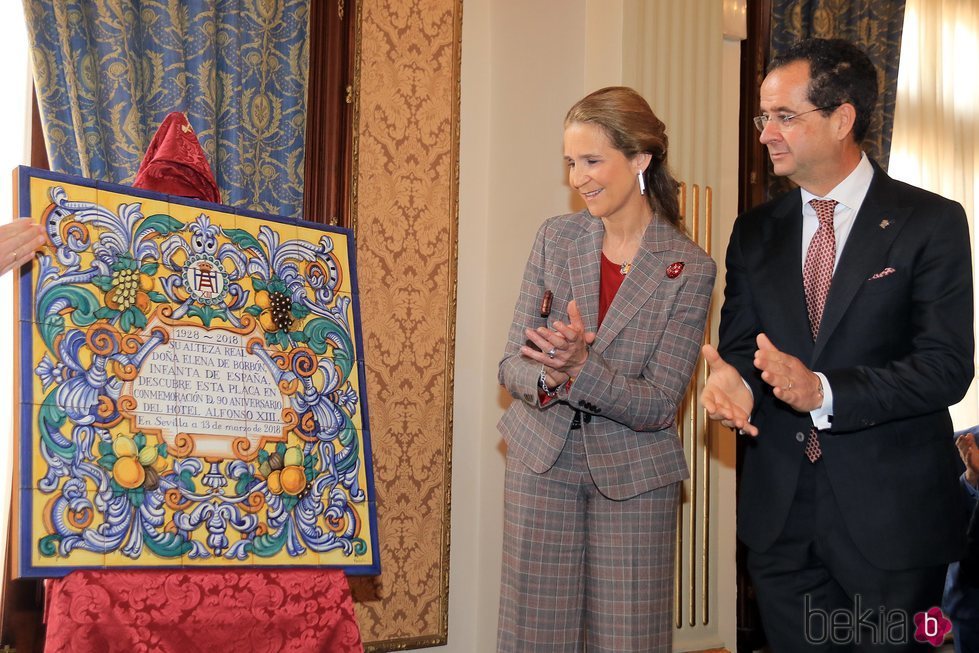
674 269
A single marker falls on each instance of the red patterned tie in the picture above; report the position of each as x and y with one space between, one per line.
817 273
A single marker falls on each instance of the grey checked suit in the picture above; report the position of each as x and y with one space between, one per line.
608 489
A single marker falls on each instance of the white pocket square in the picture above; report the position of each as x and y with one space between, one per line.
883 273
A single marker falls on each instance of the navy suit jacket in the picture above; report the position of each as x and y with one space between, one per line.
896 345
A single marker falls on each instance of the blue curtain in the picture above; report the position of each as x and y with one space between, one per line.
873 25
107 72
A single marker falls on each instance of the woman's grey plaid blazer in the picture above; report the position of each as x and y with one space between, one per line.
638 368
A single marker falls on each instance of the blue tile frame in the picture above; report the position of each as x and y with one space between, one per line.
24 319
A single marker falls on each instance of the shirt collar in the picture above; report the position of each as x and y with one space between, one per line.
851 191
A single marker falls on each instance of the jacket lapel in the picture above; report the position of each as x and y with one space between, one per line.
781 274
864 252
584 270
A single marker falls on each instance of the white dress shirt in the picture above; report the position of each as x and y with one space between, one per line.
849 195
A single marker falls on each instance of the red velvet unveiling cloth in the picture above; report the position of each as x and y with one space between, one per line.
175 163
211 611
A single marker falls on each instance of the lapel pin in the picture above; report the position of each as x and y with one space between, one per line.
545 303
885 223
674 269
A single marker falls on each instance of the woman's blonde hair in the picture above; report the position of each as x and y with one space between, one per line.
633 129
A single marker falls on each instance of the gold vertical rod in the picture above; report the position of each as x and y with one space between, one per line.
705 559
678 555
678 562
692 617
683 199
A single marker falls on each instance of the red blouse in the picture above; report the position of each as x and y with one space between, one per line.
610 280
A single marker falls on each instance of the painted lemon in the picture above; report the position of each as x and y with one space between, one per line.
128 472
293 457
124 446
267 322
148 455
293 479
274 482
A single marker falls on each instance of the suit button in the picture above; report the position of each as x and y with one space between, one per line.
587 418
582 402
800 437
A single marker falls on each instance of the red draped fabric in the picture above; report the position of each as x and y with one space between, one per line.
190 610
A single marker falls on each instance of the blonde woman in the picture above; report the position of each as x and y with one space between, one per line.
604 339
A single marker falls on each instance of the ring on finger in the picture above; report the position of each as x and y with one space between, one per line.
551 352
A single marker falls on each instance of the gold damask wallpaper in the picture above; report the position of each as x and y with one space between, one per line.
405 218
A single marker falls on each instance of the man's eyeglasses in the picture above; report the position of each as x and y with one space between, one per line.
785 121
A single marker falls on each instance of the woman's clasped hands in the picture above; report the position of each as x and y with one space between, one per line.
562 349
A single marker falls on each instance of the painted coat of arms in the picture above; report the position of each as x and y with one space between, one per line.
191 387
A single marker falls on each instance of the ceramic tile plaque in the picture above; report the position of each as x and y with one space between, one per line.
191 387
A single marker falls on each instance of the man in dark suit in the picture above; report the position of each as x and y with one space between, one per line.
846 333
